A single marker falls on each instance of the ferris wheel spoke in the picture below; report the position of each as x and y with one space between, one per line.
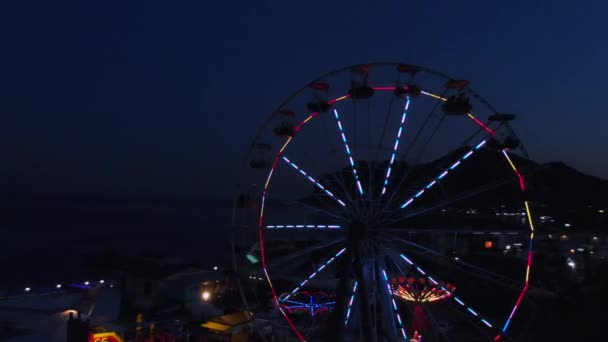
417 136
303 226
441 175
348 152
382 135
316 272
350 303
301 253
400 216
468 308
393 304
467 267
332 180
395 146
313 181
310 207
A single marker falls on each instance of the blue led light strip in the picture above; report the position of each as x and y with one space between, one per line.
348 152
312 180
443 174
395 311
395 146
303 226
350 303
314 274
456 299
310 306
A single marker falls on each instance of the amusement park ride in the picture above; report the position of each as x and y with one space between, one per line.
372 184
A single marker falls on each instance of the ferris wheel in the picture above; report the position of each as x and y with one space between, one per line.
386 171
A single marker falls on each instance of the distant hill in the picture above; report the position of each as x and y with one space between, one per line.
558 189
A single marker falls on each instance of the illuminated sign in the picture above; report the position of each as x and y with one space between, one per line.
106 337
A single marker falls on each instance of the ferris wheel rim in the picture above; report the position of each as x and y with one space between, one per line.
261 226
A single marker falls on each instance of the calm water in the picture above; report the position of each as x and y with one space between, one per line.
42 248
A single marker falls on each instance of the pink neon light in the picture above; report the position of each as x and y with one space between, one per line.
525 289
482 125
274 164
263 254
521 297
299 126
521 181
384 88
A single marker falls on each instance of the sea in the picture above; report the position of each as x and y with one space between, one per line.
44 245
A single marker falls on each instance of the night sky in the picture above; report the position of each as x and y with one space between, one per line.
164 97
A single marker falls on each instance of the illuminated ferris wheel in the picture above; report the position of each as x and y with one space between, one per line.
388 171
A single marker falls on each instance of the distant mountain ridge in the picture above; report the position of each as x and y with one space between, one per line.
561 188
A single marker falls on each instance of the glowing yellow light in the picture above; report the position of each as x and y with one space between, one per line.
529 215
342 98
428 294
285 145
206 295
437 97
510 162
307 119
601 211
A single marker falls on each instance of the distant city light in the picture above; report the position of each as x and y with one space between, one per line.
101 281
488 244
508 247
580 249
571 263
564 237
58 286
456 258
567 225
86 283
27 289
206 295
215 268
572 251
595 238
601 211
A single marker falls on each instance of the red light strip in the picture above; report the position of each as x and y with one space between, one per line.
530 253
486 128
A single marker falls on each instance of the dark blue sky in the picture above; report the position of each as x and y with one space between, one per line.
165 96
